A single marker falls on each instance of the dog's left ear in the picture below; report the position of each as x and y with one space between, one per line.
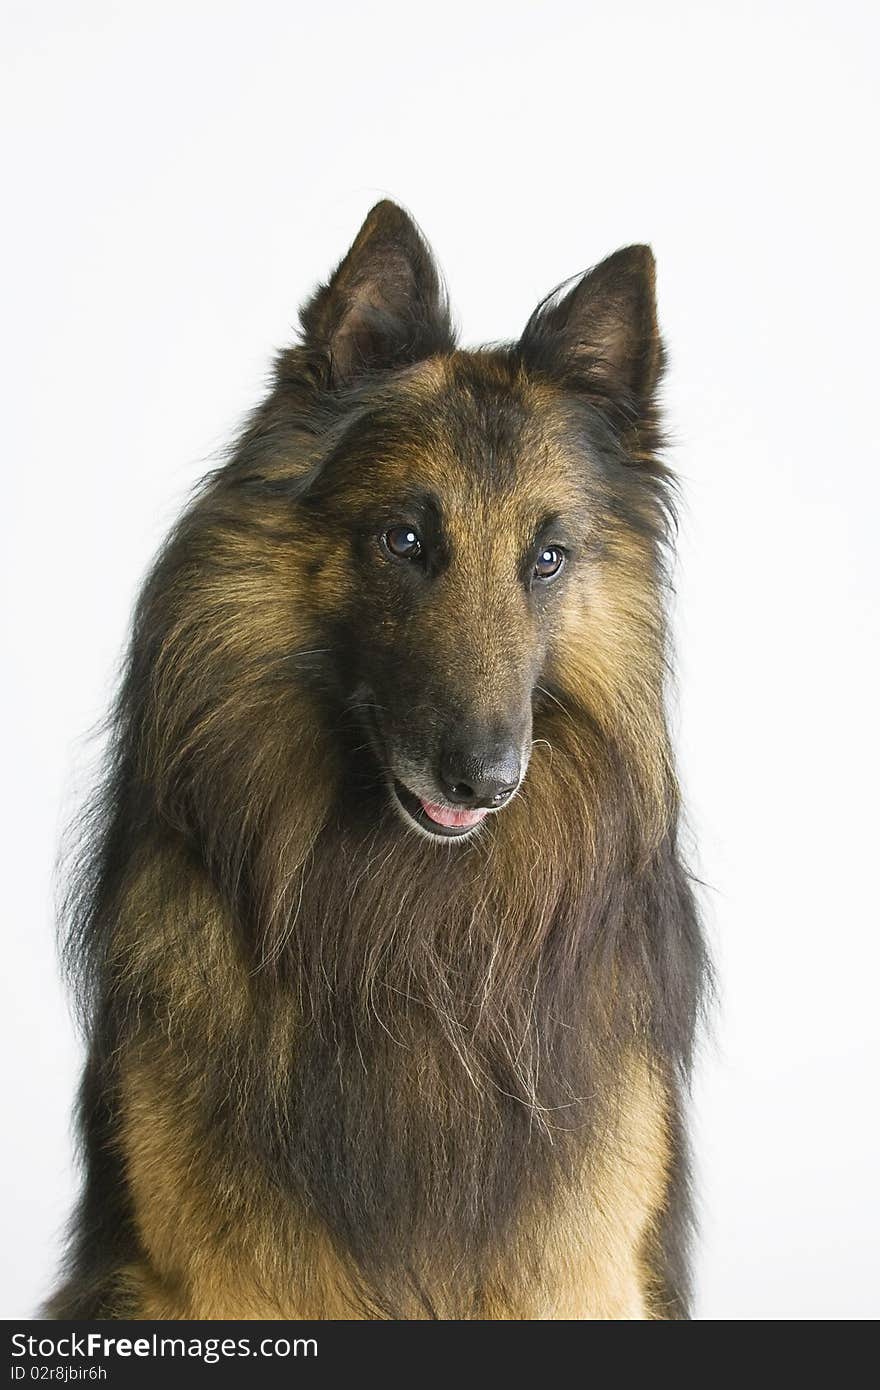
384 305
602 336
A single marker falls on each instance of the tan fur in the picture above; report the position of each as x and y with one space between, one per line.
598 1244
213 1249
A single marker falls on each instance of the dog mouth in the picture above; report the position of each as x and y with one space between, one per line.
444 822
432 819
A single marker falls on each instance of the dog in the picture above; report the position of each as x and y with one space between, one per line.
389 962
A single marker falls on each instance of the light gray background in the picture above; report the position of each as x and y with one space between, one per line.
176 177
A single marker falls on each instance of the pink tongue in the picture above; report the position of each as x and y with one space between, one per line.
445 815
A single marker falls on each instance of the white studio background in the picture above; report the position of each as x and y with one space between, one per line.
175 178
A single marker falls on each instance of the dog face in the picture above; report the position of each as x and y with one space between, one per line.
459 527
472 516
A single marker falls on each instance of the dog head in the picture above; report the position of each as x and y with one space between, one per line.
480 517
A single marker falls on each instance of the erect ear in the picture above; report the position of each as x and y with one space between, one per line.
384 305
602 335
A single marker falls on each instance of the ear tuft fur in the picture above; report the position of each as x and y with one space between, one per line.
384 305
602 336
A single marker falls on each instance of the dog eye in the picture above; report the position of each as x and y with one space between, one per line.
402 542
549 562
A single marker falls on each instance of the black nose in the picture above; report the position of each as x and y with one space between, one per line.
472 776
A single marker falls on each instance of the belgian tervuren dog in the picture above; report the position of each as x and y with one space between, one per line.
388 958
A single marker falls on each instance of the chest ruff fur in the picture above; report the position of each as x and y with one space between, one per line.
210 1251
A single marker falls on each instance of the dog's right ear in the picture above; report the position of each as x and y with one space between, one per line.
384 305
